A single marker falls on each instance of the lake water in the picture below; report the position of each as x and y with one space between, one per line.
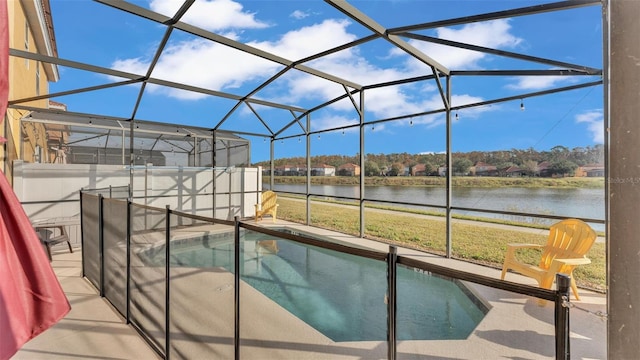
582 203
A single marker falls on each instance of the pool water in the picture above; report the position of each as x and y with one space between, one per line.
342 296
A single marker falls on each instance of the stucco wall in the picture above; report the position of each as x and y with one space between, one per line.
52 190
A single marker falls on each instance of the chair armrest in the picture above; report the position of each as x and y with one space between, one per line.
524 246
510 256
573 262
56 240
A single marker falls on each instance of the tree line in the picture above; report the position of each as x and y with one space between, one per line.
561 160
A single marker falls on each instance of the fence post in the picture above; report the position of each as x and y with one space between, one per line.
101 242
562 317
392 259
167 264
82 234
236 273
128 259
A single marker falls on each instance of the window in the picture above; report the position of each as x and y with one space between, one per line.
37 154
26 42
38 78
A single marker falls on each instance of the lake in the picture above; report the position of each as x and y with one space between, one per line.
580 202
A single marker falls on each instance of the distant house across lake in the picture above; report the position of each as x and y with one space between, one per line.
590 170
323 170
484 169
349 170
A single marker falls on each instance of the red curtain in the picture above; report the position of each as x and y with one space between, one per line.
31 298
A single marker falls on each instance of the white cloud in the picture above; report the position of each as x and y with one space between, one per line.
460 100
211 15
432 152
537 82
213 66
324 122
334 121
309 40
595 124
209 65
200 62
493 34
135 66
204 64
299 14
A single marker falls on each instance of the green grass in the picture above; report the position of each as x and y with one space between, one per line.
475 243
436 181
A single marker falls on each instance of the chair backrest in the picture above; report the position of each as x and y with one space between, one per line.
568 239
268 199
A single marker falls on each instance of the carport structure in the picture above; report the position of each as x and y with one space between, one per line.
296 121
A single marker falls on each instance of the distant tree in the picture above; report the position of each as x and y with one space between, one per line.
578 155
559 152
563 167
461 166
502 159
396 168
371 168
429 168
503 166
477 156
530 167
379 159
595 154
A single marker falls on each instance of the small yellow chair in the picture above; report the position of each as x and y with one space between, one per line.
569 241
267 205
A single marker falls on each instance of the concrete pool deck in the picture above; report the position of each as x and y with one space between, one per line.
515 327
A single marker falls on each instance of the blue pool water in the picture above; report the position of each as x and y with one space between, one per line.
340 295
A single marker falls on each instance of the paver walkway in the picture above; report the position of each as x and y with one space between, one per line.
92 329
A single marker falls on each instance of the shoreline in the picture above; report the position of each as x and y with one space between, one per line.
458 181
439 215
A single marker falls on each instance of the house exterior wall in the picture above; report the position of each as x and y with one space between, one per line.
28 31
349 170
323 170
419 170
484 169
590 171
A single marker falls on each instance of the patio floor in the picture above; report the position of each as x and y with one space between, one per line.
515 327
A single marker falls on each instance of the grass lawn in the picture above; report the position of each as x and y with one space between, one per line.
475 243
439 181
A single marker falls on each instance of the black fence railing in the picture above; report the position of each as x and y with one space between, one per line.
144 260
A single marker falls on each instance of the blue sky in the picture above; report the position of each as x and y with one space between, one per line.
97 34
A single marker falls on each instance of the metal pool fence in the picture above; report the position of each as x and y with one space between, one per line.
198 312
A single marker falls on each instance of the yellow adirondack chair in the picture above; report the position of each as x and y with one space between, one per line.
569 241
267 205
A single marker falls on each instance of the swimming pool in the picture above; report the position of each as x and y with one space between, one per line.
340 295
